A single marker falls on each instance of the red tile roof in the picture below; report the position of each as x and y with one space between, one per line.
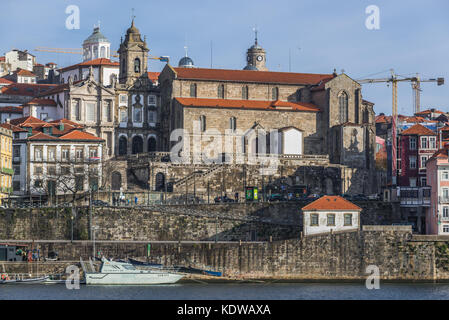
30 120
249 104
12 127
95 62
42 136
154 76
418 130
427 112
24 73
2 58
69 122
11 109
5 81
331 203
41 102
251 76
79 135
26 89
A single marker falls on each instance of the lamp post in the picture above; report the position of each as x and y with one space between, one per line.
94 228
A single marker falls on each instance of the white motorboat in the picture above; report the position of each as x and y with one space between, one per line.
122 273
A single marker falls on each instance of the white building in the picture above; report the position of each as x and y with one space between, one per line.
43 109
96 46
330 214
10 112
54 157
18 59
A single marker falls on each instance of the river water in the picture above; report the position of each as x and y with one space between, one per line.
289 291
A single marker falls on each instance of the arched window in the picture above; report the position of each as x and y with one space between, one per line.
137 145
193 90
123 66
137 65
275 93
343 106
151 144
245 93
160 181
122 146
103 52
220 91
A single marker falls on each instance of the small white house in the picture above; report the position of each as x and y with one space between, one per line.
330 214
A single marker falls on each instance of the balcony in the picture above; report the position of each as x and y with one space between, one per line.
415 196
443 199
8 171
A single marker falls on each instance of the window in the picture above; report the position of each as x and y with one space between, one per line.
245 93
412 162
76 110
412 142
348 219
137 114
93 153
445 175
52 170
90 112
314 219
424 144
65 154
446 228
220 91
193 90
423 162
38 183
51 154
16 151
79 169
412 182
445 193
298 95
203 123
331 219
65 170
79 154
123 115
151 116
275 93
423 182
123 98
432 143
43 116
445 212
137 65
107 111
233 123
152 100
16 185
343 106
38 170
37 154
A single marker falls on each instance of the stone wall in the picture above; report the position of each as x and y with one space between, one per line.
397 254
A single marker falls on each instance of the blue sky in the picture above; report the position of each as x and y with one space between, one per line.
320 35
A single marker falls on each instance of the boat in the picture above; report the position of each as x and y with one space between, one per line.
144 264
123 273
197 271
18 279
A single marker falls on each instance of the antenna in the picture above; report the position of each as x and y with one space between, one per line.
255 32
132 14
211 54
186 50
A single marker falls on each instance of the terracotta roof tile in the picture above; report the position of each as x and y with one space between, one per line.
27 121
154 76
5 81
41 102
12 127
11 109
42 136
95 62
427 112
26 89
331 203
79 135
251 76
249 104
418 130
23 72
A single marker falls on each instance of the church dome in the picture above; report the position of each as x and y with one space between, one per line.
186 62
132 29
251 67
96 37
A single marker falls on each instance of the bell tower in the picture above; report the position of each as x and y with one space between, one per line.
256 56
133 54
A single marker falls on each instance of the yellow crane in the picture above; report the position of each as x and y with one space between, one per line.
80 51
416 85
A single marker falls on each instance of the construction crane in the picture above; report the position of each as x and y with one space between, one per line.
80 51
416 85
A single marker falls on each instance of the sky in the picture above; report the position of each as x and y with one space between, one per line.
318 36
